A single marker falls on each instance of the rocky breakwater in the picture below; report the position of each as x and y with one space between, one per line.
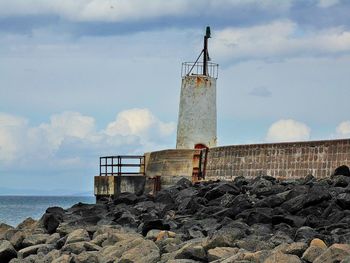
246 220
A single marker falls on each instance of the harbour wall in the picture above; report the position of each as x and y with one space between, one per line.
290 160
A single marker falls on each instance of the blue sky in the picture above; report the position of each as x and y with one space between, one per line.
84 78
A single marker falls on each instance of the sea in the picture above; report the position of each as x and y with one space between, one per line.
14 209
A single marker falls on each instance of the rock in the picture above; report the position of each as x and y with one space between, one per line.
344 200
257 257
225 237
53 238
63 259
110 253
126 219
295 221
341 181
86 257
35 240
153 234
164 235
183 183
220 190
312 252
318 243
154 224
51 220
346 260
126 198
25 252
256 215
7 251
335 253
295 248
221 253
17 239
193 251
305 234
49 257
3 230
149 251
294 204
74 248
342 170
279 257
77 236
28 223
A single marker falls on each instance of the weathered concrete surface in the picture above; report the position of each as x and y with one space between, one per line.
169 163
197 113
280 160
111 186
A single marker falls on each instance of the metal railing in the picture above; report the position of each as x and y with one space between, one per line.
122 165
196 68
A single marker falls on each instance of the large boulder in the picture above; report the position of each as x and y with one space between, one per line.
52 218
279 257
78 236
344 200
149 251
221 189
35 239
7 251
342 170
335 253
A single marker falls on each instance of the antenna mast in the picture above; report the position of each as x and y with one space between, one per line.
205 51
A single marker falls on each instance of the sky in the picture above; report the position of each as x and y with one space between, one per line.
87 78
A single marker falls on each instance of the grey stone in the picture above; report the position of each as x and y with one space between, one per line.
7 251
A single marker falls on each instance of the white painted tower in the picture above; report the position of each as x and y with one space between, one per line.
196 126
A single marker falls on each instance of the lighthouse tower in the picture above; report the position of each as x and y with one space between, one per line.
196 126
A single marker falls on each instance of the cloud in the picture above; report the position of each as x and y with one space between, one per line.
138 122
260 92
343 129
327 3
11 131
71 139
288 130
128 10
278 40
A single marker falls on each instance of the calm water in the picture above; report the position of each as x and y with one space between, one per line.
14 209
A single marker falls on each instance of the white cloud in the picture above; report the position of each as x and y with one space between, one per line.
67 124
138 122
70 138
11 131
343 129
279 39
288 130
327 3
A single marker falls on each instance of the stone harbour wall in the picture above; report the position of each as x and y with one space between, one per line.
280 160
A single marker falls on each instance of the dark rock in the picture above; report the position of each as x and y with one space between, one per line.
183 183
256 215
7 252
270 201
154 224
185 193
225 237
126 198
341 181
295 221
305 234
344 200
220 190
342 170
294 204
